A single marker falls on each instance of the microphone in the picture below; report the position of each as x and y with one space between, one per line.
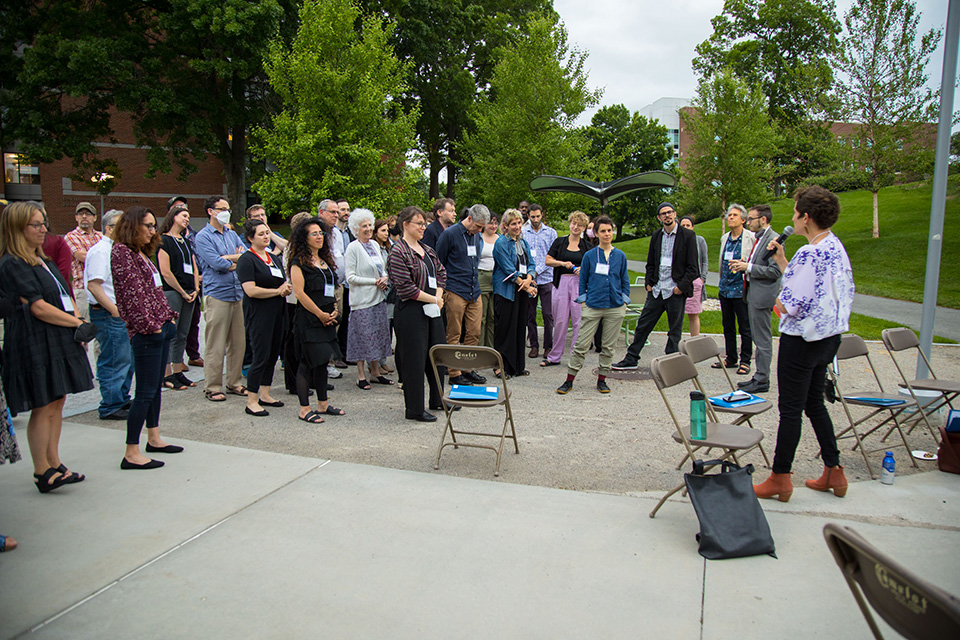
787 232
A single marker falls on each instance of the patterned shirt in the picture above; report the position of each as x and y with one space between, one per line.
408 271
731 282
140 299
80 240
540 243
817 291
665 284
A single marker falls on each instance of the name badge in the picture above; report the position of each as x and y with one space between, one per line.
156 278
471 251
431 282
522 270
67 303
666 261
533 253
329 290
275 272
728 255
603 268
188 268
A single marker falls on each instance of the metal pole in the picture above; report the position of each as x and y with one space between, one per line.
935 241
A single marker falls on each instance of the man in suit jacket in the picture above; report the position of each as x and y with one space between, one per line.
672 266
763 286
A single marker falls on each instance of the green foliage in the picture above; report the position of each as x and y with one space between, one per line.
341 132
524 125
621 145
884 65
849 180
732 140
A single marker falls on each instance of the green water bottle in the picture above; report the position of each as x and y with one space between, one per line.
698 416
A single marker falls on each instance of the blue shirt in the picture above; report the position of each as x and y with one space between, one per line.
731 283
462 269
540 243
508 264
604 291
219 281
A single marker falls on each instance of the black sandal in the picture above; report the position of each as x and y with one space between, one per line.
44 482
333 411
184 379
173 382
717 365
382 380
743 369
363 384
312 417
73 478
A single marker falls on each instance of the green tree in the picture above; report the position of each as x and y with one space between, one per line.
341 131
884 65
622 144
525 126
785 47
450 45
733 140
189 72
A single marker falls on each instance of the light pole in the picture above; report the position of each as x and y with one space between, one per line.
100 179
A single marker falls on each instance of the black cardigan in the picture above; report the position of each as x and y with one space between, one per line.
685 268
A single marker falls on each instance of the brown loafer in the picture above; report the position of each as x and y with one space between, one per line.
195 362
534 352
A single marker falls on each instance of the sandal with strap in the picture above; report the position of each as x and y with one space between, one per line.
363 384
717 365
333 411
184 379
312 417
73 476
173 382
237 391
743 369
381 380
215 396
44 482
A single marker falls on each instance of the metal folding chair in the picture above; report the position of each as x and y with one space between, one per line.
901 339
677 368
638 296
852 346
705 348
914 607
467 358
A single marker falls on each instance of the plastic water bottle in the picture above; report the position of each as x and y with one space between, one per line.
698 416
889 468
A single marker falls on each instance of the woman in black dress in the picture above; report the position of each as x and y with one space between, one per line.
264 290
513 286
44 358
314 278
181 284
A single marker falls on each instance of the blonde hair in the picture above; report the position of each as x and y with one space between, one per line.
579 217
299 218
509 216
16 216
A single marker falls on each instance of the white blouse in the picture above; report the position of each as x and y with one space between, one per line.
486 256
817 291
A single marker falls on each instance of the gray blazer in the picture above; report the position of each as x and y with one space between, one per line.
764 274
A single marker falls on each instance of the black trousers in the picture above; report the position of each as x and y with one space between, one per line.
801 377
653 308
733 315
264 327
150 357
510 330
290 359
344 319
416 333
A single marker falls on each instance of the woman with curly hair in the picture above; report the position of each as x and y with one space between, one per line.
314 278
150 324
43 351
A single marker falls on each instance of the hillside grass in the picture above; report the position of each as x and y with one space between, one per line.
891 266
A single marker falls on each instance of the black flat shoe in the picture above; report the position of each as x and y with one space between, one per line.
263 413
439 407
278 403
170 448
153 464
423 417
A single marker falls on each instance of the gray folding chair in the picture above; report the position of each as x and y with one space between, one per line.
902 339
914 607
852 346
467 358
704 348
638 296
676 368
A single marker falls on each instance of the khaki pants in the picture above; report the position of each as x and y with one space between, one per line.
462 317
612 320
224 337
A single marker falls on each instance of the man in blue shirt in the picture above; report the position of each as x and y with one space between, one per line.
540 237
459 250
605 290
218 250
444 217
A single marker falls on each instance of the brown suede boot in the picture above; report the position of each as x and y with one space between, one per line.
778 484
832 478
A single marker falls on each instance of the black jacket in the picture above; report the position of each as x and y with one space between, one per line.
685 268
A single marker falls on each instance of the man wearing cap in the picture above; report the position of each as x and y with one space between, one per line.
672 266
80 241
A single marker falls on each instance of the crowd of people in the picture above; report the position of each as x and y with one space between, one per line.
346 286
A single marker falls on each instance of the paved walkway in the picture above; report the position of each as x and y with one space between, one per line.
227 542
946 323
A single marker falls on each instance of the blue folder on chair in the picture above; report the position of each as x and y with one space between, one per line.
878 402
468 392
735 399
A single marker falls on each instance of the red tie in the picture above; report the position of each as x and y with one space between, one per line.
746 274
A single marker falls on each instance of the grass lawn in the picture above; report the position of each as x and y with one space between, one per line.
891 266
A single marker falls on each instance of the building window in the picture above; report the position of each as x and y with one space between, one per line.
16 170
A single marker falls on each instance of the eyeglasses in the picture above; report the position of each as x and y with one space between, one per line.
221 209
749 219
315 234
85 213
419 224
151 226
666 212
38 225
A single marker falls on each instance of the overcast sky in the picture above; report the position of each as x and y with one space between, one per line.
641 50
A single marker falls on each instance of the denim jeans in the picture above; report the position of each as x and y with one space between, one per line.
115 364
150 352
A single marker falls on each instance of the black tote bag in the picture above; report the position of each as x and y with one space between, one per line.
732 524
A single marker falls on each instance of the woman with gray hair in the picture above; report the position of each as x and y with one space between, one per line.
368 333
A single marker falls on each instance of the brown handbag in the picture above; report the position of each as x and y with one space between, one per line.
948 456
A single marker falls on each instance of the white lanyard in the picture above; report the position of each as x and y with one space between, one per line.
156 274
187 262
329 290
65 300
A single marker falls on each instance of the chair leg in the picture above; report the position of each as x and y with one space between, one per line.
447 427
664 499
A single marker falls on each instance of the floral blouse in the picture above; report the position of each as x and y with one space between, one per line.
140 298
817 291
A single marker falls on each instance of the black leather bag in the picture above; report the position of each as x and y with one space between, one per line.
732 524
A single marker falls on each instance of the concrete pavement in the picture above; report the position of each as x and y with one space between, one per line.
228 542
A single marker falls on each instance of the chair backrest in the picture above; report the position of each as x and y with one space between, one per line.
851 346
638 294
699 348
465 358
672 369
914 607
899 338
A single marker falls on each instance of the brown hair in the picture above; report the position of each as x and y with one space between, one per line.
129 230
821 205
383 222
16 217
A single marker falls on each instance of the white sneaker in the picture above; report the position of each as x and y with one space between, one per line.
333 373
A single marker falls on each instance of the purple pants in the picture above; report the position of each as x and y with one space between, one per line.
565 309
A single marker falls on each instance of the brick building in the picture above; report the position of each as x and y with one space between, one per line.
51 183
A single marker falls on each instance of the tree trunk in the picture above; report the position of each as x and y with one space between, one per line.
235 172
451 180
876 215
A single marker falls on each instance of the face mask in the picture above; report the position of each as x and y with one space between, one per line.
223 217
590 233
